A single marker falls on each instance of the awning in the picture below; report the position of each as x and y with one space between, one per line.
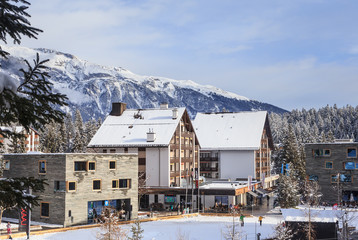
261 191
253 193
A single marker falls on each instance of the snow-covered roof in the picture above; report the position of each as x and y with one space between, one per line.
230 131
127 131
224 185
316 215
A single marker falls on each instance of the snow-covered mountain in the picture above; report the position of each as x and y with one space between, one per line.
92 88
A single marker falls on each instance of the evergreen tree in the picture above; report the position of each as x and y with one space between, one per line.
12 193
137 231
31 102
283 232
288 190
79 140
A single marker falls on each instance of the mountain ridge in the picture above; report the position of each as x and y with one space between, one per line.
92 88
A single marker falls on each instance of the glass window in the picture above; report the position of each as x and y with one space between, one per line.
326 152
334 178
313 178
114 183
71 186
352 152
124 183
96 185
80 166
7 165
112 164
45 209
91 166
346 178
329 165
42 166
349 165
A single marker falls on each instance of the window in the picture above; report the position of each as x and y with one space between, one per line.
71 186
42 167
326 152
104 150
112 164
69 213
45 209
329 165
321 152
96 185
334 178
59 186
91 166
182 166
7 165
349 165
172 167
351 152
115 184
112 150
346 178
124 183
313 178
80 166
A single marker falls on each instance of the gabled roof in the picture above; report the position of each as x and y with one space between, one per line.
130 131
230 131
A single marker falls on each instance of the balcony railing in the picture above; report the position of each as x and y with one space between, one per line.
209 159
209 169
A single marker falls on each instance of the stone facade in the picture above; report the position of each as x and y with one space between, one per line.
68 203
324 161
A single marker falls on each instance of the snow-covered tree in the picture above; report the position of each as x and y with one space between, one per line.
288 190
110 226
12 193
29 101
283 232
79 140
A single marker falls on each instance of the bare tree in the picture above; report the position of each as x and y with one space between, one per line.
142 186
233 231
110 226
182 235
283 232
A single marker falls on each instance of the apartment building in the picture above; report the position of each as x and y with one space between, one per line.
79 185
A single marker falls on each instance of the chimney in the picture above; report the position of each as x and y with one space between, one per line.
175 113
118 108
151 136
163 105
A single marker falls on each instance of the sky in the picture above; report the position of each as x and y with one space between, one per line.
292 54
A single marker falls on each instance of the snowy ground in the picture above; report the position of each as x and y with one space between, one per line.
194 228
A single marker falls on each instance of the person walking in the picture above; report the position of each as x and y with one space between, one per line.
242 219
8 228
260 220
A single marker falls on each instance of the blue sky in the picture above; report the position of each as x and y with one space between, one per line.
292 54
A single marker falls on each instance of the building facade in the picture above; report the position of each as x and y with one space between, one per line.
235 145
79 185
335 167
163 138
30 142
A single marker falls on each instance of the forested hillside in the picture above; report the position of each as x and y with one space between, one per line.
322 125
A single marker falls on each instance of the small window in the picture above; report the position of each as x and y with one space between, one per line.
326 152
81 166
104 150
346 178
59 186
115 183
329 165
349 165
71 186
124 183
69 213
45 209
112 164
7 165
313 178
334 178
96 185
112 150
42 167
91 166
351 152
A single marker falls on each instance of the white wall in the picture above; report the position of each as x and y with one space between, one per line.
236 164
157 167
